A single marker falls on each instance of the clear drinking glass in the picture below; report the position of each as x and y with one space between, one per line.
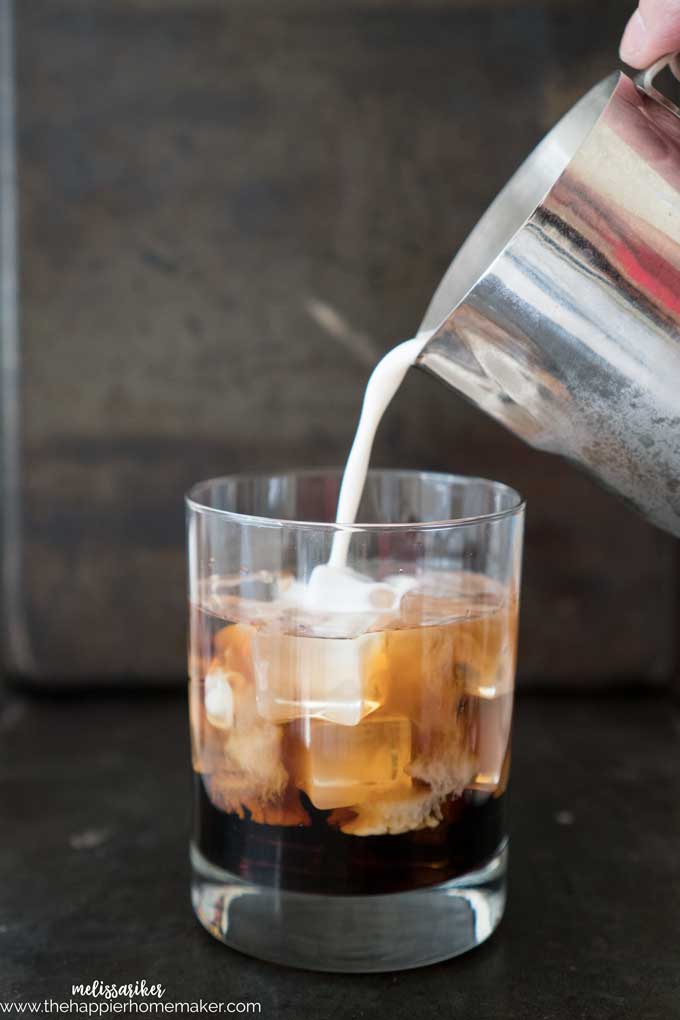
351 751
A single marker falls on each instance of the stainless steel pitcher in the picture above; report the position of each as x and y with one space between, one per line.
560 315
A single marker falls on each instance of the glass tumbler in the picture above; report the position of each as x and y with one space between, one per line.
351 739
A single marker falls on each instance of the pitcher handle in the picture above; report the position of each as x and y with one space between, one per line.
644 81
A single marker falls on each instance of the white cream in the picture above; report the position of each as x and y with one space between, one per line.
219 699
385 380
332 586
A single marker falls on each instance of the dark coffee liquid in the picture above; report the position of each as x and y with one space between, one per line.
319 858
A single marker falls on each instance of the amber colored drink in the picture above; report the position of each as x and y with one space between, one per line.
356 754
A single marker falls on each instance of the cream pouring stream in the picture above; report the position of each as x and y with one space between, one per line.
324 583
384 382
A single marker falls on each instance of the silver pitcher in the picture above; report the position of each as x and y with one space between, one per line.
560 315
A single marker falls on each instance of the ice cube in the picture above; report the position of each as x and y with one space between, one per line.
404 809
249 770
338 766
445 762
341 590
250 773
340 680
490 732
308 623
285 810
339 602
439 597
229 794
233 647
248 598
240 754
432 666
400 583
253 756
504 775
219 697
423 681
486 652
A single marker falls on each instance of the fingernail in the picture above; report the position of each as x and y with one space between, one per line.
634 38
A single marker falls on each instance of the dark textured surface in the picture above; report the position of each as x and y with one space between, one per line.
228 212
593 922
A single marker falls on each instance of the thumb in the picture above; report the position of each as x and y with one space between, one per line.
653 30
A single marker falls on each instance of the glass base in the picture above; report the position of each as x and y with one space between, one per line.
356 934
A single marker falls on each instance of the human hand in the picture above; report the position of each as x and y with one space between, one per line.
653 30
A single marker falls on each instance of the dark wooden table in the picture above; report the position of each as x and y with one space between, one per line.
95 813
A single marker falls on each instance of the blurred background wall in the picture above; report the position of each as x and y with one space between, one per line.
228 210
